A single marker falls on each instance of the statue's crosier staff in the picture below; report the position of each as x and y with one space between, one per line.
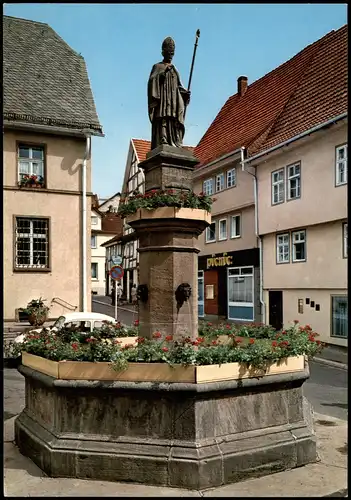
192 64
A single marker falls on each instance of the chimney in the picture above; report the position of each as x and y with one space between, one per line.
242 85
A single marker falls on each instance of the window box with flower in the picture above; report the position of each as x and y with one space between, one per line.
218 354
31 181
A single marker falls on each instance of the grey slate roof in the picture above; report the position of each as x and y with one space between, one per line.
44 80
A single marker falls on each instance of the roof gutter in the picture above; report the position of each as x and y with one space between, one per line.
217 160
297 137
50 129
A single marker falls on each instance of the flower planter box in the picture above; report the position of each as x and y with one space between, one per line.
170 213
157 372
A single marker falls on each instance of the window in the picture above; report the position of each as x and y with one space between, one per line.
241 293
32 243
211 233
220 182
94 220
93 241
31 162
344 230
235 231
294 181
231 178
341 165
222 229
208 187
299 246
94 270
200 300
278 194
283 248
339 316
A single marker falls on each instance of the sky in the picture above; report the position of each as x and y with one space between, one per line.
121 42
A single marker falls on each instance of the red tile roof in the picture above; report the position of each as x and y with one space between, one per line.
303 92
142 147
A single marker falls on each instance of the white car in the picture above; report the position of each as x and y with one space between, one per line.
86 321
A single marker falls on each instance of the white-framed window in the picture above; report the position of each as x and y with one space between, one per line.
341 165
93 241
31 243
94 220
222 229
344 237
278 191
220 182
208 187
231 178
298 246
240 293
94 270
201 293
294 181
339 327
211 233
235 229
283 248
30 163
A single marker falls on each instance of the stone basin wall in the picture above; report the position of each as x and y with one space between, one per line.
172 434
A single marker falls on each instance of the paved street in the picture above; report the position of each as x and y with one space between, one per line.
126 314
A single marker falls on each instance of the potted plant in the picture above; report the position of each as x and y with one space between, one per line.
31 181
37 312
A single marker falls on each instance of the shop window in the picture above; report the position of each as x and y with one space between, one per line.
200 297
241 293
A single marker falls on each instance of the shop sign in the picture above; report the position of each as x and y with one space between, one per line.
225 260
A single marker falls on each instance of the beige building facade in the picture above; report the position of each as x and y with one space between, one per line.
47 172
228 263
302 221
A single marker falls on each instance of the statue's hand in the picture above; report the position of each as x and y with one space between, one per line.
186 97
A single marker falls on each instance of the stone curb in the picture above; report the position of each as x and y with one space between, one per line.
329 362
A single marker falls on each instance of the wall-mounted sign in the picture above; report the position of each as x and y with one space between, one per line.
116 260
224 260
209 292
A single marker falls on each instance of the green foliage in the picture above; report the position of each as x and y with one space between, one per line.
164 198
256 346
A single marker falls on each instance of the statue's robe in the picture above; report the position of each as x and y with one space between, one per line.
166 106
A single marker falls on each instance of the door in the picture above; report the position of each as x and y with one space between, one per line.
211 292
276 309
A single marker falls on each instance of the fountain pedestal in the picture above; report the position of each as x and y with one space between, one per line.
168 247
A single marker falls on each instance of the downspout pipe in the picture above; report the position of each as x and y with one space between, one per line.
242 161
84 220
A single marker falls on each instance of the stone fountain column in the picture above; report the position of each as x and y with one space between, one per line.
168 247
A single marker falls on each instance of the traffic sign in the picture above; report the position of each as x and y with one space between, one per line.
117 272
116 260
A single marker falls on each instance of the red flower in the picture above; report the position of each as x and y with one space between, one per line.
308 327
169 338
127 346
284 343
214 342
202 193
252 341
318 342
187 340
170 191
238 340
274 343
156 335
200 339
296 321
75 346
90 339
209 324
136 322
165 349
284 332
228 327
311 338
140 340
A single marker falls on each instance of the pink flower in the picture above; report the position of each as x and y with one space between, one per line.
156 335
169 338
165 349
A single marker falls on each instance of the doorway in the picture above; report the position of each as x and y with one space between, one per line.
276 309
